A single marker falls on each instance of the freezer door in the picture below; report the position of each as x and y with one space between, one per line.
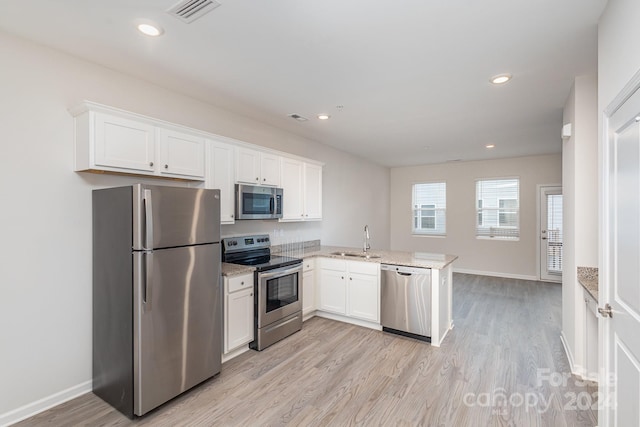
165 217
177 322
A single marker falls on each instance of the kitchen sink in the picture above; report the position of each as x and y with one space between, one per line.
356 255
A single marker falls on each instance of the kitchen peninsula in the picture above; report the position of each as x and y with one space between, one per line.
343 284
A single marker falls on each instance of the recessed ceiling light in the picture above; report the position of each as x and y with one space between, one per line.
323 116
500 79
490 146
150 29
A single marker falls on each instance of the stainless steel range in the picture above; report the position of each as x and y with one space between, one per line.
278 287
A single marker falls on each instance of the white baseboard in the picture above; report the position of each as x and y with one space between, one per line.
351 320
495 274
575 369
43 404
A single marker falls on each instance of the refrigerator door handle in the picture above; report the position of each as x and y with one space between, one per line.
148 219
148 280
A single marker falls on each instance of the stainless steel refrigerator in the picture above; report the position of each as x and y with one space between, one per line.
157 301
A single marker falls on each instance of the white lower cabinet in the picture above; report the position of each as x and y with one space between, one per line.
333 292
350 288
238 311
308 287
364 297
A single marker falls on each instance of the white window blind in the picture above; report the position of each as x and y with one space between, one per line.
498 208
554 233
429 208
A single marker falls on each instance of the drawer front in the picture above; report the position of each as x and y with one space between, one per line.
239 283
308 264
361 267
333 264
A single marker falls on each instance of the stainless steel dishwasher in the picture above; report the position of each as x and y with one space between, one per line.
406 301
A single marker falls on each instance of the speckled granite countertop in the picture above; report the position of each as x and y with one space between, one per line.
231 270
588 278
409 259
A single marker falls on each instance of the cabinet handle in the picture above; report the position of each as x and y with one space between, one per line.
306 214
151 164
264 179
257 179
350 278
231 215
342 277
166 166
251 294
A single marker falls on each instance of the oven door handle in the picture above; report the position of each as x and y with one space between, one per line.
278 272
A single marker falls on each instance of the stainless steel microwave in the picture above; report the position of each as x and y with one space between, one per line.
254 202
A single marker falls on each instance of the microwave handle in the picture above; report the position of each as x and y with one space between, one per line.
272 204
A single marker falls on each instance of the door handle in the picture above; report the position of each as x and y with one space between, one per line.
148 219
606 311
148 280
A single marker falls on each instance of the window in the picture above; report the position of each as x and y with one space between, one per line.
429 208
498 208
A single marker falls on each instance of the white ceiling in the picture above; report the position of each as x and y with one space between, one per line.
412 75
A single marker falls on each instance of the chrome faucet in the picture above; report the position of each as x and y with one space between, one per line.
366 246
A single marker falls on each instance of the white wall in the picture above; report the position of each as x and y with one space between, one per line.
502 258
45 274
618 54
580 213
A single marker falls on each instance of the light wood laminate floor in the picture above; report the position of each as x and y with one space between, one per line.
502 365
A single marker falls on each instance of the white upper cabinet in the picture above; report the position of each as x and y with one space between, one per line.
256 167
312 192
110 140
220 167
181 154
302 184
115 142
293 186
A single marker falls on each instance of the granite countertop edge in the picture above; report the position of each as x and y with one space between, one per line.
588 278
408 259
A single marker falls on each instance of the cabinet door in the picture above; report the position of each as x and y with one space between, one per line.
248 166
364 297
123 143
332 291
293 208
181 154
239 319
308 292
312 191
220 176
270 169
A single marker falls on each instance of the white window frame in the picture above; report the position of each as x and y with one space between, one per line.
439 213
496 231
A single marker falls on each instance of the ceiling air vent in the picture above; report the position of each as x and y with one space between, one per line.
298 117
190 10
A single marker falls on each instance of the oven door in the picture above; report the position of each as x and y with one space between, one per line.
279 294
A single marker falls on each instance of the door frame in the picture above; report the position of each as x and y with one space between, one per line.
604 268
539 204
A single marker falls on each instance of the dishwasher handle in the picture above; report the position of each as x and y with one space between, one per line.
404 270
